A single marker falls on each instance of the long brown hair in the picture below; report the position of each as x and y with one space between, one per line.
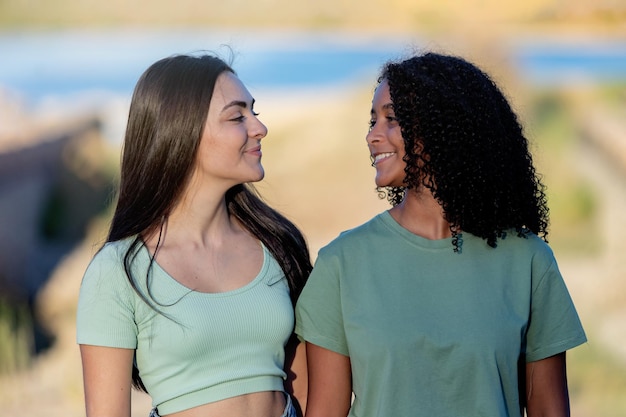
167 115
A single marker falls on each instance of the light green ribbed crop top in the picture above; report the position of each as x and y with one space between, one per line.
214 345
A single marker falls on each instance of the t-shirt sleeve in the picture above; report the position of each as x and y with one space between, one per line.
554 325
319 317
105 314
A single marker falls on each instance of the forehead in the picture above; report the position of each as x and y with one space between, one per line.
228 87
382 96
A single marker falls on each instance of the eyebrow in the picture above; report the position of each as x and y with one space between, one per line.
237 103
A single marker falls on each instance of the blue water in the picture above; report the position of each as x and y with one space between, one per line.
42 64
557 63
38 65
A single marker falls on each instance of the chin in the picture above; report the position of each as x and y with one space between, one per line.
382 184
259 176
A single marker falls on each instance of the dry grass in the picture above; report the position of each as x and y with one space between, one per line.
424 16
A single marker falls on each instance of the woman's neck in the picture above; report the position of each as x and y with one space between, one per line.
199 219
422 215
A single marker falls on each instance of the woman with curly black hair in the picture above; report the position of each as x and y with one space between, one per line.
450 303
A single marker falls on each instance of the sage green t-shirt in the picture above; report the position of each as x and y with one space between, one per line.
434 333
205 347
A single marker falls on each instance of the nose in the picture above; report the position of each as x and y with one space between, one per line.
373 135
258 130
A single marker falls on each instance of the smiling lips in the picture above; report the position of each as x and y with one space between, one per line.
381 156
255 151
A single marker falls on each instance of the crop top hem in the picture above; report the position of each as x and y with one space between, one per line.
223 391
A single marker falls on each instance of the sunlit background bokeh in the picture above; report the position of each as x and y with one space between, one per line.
67 69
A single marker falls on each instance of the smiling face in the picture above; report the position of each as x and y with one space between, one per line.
230 148
384 140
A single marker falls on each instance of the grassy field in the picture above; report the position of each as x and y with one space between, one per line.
426 16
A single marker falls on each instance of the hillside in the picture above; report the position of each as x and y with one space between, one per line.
422 16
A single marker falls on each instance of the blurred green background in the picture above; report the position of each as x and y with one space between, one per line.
59 155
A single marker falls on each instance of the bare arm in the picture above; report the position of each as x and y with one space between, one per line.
297 378
546 388
330 383
107 374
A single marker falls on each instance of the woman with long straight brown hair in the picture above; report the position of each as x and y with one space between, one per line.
191 298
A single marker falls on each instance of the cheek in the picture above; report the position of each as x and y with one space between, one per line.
395 136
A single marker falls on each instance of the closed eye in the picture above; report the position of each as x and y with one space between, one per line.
242 117
243 105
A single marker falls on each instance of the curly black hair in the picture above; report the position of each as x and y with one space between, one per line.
464 143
